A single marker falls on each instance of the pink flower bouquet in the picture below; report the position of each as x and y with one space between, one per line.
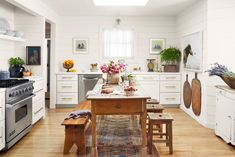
113 68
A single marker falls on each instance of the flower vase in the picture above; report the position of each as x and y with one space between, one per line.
114 78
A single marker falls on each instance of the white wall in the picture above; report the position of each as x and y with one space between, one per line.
34 29
144 28
221 39
6 47
192 20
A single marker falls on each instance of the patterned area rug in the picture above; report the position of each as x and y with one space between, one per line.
118 136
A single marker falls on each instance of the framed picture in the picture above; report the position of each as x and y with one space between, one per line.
80 45
33 55
193 51
156 46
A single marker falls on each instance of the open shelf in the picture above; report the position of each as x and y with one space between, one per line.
7 37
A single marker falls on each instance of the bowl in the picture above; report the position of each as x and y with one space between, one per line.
230 81
129 93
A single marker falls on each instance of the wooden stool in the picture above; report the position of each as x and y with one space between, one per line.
160 119
154 106
75 131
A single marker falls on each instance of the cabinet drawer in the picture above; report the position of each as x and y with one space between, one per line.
169 77
67 86
67 77
38 105
2 134
170 86
38 115
38 85
2 105
118 106
170 98
38 96
67 98
147 77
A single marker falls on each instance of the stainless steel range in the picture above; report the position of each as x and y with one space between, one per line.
18 109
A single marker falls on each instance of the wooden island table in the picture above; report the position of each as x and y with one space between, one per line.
118 104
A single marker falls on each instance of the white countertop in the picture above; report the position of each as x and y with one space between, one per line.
78 73
153 73
34 78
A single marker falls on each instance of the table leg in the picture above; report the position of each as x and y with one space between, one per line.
143 117
170 138
94 148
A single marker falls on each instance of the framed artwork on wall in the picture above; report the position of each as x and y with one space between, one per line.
193 51
33 55
80 45
156 46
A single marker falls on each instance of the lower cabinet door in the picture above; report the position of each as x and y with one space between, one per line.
2 134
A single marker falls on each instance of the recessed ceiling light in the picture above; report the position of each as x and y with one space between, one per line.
120 2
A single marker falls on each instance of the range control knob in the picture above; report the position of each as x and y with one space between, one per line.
12 94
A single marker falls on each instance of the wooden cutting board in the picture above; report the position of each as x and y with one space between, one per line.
196 96
187 93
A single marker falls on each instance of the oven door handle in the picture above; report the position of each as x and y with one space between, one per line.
12 105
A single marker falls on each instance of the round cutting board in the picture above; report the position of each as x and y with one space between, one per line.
187 93
196 96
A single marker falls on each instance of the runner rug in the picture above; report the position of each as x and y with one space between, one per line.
118 136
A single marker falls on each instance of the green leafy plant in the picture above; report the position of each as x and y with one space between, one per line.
170 55
16 61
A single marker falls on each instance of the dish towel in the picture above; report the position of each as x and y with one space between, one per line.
78 114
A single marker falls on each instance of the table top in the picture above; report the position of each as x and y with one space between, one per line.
118 92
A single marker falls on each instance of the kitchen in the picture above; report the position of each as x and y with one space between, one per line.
81 21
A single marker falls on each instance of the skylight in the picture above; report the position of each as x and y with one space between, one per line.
120 2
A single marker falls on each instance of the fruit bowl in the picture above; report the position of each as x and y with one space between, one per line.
68 64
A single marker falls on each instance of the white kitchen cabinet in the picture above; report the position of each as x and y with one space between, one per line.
2 119
2 105
67 90
150 84
225 114
165 87
170 88
38 102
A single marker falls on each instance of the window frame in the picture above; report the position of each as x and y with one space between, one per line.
102 42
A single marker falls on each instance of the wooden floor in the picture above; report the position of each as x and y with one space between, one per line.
190 139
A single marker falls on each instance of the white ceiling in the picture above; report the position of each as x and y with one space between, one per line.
87 8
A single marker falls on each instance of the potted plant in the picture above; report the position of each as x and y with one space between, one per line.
170 59
16 67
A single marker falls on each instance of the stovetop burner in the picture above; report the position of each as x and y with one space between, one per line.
12 82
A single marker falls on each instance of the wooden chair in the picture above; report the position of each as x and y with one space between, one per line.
160 119
75 130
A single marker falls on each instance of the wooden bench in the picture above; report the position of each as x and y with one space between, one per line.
75 130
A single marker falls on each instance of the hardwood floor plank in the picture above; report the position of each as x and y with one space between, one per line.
190 139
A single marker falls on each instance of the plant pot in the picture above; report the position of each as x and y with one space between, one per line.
171 68
230 81
16 71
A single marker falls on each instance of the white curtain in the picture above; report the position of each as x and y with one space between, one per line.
118 43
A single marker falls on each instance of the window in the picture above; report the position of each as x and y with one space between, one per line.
117 43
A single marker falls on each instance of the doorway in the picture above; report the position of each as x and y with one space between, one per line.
48 38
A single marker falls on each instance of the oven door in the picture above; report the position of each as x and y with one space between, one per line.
18 117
